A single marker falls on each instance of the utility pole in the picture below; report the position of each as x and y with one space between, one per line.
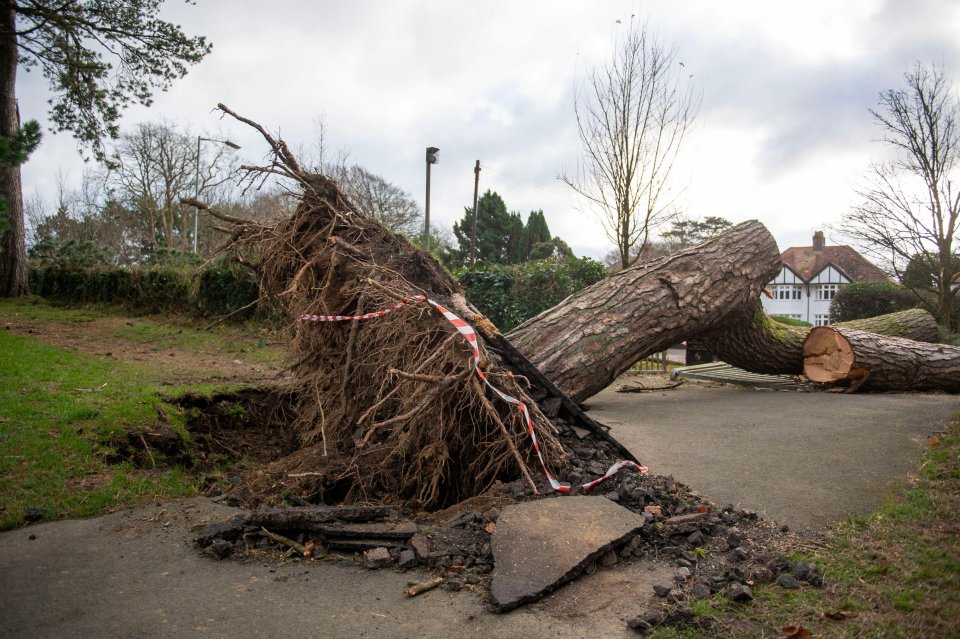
431 159
196 185
473 232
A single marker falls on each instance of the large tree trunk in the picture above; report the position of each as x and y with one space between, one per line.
750 340
13 249
833 355
586 341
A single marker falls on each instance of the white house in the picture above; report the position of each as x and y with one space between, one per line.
812 275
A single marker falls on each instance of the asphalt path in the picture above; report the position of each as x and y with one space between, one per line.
136 573
805 459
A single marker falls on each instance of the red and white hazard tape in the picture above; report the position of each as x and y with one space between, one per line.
471 337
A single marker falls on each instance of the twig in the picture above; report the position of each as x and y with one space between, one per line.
220 215
280 539
231 314
323 420
425 586
91 390
146 448
414 377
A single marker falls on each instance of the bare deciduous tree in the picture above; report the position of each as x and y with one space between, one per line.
911 204
157 165
632 115
381 200
371 194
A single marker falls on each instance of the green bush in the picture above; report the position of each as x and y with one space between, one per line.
226 289
489 287
869 299
511 294
172 258
114 286
220 290
163 290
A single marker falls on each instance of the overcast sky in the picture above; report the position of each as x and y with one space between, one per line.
783 136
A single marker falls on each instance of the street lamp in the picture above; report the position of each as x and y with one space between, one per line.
432 152
196 185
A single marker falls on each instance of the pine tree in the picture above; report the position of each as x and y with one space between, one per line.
71 42
493 230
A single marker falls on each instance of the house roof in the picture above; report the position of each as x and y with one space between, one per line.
806 263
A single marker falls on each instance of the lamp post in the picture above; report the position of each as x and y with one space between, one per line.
196 185
432 152
473 230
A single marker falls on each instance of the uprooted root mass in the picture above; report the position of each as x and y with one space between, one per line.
387 409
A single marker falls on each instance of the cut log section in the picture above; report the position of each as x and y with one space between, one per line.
842 356
584 343
751 340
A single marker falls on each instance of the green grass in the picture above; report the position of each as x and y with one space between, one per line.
256 343
57 410
893 574
790 321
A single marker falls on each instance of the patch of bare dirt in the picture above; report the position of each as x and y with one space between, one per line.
175 365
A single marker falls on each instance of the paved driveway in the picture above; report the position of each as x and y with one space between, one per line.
804 459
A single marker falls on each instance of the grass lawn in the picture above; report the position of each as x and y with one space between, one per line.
61 414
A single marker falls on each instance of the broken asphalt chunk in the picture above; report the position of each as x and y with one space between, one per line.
539 546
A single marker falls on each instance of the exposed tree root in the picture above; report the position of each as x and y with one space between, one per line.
387 409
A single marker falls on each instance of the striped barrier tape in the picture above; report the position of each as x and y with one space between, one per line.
470 336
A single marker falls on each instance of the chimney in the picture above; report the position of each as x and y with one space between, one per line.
818 242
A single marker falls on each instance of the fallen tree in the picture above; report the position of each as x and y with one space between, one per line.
751 340
710 292
584 343
391 406
844 356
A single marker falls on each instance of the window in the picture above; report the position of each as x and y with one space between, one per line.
786 292
821 320
827 291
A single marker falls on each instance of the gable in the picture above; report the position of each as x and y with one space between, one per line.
842 264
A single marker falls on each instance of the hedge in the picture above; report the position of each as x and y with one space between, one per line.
213 292
508 295
869 299
511 294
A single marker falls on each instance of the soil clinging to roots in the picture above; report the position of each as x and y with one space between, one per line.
387 409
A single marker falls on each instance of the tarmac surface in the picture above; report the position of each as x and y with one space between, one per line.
806 459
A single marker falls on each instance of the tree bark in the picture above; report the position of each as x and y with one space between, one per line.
13 249
750 340
834 355
589 339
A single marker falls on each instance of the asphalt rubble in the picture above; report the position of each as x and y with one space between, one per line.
711 549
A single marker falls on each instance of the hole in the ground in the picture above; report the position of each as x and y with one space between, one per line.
249 424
